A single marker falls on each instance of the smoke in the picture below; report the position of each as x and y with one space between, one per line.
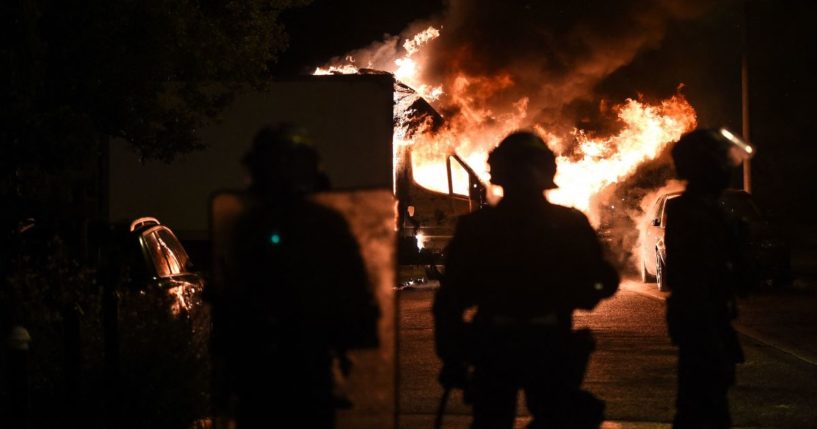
533 64
551 56
538 65
625 210
377 56
553 53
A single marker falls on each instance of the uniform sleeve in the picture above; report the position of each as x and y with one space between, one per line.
596 278
453 297
353 304
687 239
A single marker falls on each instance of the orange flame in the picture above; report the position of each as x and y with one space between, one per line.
481 122
606 161
405 68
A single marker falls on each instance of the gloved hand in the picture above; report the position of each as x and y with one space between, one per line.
454 375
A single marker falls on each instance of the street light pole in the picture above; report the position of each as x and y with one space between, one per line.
747 163
744 84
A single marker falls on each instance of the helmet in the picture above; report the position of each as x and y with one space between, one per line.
281 159
705 157
522 159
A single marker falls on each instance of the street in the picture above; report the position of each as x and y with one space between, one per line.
633 368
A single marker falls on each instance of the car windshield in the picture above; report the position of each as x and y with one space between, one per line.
740 206
167 253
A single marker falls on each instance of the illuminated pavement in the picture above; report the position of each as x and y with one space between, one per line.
633 369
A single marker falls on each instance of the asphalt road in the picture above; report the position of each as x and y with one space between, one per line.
633 369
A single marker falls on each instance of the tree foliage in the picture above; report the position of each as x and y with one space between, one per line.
74 75
152 72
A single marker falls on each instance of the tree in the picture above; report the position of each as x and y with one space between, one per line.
151 72
73 76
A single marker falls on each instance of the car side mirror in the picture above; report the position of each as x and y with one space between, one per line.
656 222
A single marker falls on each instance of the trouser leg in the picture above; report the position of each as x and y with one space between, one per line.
557 406
702 399
494 400
270 409
541 401
270 399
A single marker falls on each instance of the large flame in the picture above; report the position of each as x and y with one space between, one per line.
605 161
405 68
592 164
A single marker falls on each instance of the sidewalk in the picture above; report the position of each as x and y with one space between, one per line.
787 318
462 422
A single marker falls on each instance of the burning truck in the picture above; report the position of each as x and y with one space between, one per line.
446 123
426 217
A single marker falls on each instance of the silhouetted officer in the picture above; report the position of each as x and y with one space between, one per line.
524 266
298 293
703 272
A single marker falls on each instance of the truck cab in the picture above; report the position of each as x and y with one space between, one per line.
427 218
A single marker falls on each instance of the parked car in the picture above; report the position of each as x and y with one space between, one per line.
166 263
768 253
162 331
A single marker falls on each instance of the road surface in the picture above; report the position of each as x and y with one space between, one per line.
633 369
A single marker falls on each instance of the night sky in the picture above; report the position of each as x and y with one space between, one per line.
329 28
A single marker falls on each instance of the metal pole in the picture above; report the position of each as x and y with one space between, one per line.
17 345
438 418
73 366
109 274
744 84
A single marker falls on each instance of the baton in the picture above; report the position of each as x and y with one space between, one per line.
438 419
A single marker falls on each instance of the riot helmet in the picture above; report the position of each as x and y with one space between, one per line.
522 159
282 160
705 157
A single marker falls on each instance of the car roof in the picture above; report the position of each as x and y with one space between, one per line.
142 223
735 192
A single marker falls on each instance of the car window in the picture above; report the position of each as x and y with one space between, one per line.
459 178
655 212
168 256
664 209
740 206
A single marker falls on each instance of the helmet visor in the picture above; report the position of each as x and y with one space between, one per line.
739 150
